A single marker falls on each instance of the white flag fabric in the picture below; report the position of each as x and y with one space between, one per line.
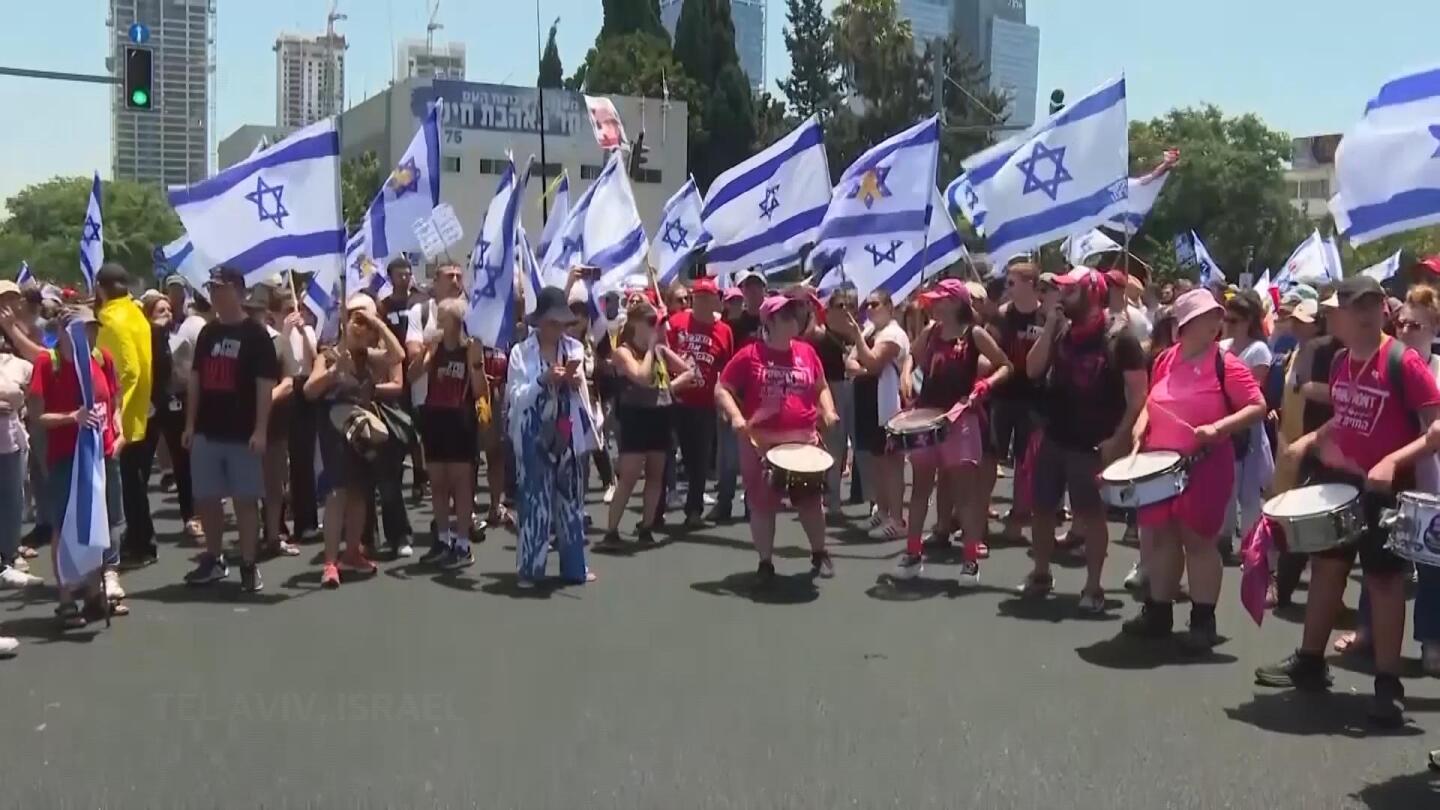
1143 192
491 315
1077 248
1313 262
407 196
85 531
363 270
960 194
24 276
92 237
1332 259
1262 287
681 232
180 257
1387 169
559 210
603 229
879 214
529 269
943 248
272 212
1385 270
321 297
1210 272
764 210
1069 174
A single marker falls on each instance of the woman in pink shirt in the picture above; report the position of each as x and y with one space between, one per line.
771 392
1199 398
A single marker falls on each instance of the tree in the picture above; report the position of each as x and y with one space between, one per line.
360 179
771 122
813 86
44 227
705 46
634 65
552 73
631 16
967 102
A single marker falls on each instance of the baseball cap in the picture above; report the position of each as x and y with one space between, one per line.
1353 289
1305 311
731 293
748 275
1076 275
174 280
704 285
947 288
774 304
8 287
1430 264
1192 305
227 275
360 301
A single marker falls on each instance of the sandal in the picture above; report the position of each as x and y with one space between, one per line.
1352 643
28 552
69 615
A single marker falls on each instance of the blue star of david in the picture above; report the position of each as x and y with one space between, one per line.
405 179
971 198
91 232
262 189
675 235
1033 183
871 186
1435 131
771 202
879 256
572 247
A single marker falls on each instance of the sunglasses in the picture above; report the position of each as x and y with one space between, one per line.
873 304
1406 324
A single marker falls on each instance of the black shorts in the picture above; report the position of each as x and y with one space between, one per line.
1375 558
344 467
448 434
1010 424
644 430
1056 470
869 433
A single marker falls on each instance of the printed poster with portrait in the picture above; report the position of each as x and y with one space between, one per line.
609 131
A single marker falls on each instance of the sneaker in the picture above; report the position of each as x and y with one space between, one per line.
937 540
876 520
12 578
982 551
458 558
8 646
1430 659
437 552
1199 638
405 550
21 564
1092 603
765 573
1297 671
693 522
250 581
821 565
356 562
644 536
113 591
525 584
970 570
211 568
139 557
909 567
609 494
707 499
1135 580
1385 710
330 576
1156 620
887 530
1036 585
719 516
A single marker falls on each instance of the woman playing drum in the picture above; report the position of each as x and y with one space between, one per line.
1199 397
771 393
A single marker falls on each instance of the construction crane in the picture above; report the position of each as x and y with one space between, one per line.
331 73
432 27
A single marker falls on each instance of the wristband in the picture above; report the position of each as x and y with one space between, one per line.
980 391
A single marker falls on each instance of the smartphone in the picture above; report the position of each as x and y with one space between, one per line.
571 365
589 272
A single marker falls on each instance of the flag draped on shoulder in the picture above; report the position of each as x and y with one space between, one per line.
1066 175
878 219
1387 168
491 314
764 210
681 232
407 196
603 229
559 210
92 236
275 211
85 531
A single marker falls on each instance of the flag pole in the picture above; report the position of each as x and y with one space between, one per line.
344 228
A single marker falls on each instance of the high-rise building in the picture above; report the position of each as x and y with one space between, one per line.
929 19
430 60
995 32
749 18
170 143
309 78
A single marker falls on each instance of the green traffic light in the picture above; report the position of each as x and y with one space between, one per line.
140 98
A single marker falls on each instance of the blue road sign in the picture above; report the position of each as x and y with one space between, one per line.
139 33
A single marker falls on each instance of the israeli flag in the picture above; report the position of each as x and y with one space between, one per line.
408 195
1313 262
1185 248
681 232
1142 194
1387 169
1078 248
529 269
764 210
1210 272
603 230
943 248
960 194
1332 259
362 272
1384 271
180 257
1068 175
1263 286
85 531
92 237
559 210
491 315
323 302
880 212
24 276
272 212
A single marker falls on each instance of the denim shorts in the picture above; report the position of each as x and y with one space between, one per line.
225 470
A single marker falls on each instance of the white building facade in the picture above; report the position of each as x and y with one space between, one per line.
418 58
309 78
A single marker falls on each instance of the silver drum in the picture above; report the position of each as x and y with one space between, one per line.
1144 479
1317 518
1415 528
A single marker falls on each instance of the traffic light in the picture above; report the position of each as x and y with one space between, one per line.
639 155
139 78
1057 100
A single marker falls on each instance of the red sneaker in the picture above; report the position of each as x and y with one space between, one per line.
354 561
330 576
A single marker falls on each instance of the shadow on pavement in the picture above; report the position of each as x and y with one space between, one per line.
1329 713
628 548
509 585
889 589
1125 652
1055 608
783 552
784 589
47 630
1407 792
1363 663
219 593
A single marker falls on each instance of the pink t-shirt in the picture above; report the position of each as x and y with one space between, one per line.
1369 423
1185 395
778 390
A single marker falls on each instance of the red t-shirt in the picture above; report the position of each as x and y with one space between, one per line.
1369 423
779 390
707 346
59 390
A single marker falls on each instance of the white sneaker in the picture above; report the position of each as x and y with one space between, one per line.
113 591
876 520
909 567
405 550
708 499
21 564
887 530
609 494
13 578
8 645
1135 580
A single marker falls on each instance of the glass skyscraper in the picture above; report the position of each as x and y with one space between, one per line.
995 32
749 17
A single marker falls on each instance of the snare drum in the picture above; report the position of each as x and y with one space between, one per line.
1317 518
916 429
1144 479
798 470
1415 528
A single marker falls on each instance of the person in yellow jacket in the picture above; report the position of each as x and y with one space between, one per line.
125 333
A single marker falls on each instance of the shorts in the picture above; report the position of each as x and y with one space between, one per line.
963 445
1370 546
448 434
57 487
869 432
1010 424
1056 470
644 429
224 469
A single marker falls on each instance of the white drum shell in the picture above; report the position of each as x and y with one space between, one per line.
1415 532
1146 490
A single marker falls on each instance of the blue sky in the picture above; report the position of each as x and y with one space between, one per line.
1304 66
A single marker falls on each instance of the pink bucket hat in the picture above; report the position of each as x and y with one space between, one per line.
1192 305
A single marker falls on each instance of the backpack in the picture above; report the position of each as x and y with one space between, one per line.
1241 440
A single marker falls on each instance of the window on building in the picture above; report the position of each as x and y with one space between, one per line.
488 166
589 171
450 165
643 175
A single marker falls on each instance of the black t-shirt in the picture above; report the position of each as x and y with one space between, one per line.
1084 390
231 360
162 369
746 329
832 353
395 311
1017 332
1322 357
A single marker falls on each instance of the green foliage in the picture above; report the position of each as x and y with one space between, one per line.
813 86
634 65
552 73
360 179
630 17
723 123
44 227
771 122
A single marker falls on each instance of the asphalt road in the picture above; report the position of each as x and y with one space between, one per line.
670 683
